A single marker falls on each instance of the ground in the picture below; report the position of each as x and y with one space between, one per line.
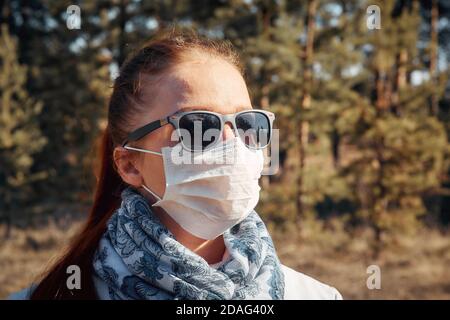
415 267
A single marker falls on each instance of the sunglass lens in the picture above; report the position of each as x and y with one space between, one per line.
254 129
199 130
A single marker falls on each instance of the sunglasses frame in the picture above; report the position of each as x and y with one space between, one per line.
174 120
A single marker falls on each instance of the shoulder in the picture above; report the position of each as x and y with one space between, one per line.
299 286
24 294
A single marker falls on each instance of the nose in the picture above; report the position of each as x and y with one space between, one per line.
228 132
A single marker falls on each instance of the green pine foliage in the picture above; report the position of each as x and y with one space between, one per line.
20 136
401 148
374 154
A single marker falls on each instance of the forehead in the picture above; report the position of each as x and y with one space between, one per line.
199 83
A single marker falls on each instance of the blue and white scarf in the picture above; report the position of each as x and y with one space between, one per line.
139 258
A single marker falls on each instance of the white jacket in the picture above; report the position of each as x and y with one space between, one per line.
297 287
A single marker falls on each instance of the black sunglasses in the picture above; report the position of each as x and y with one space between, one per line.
200 130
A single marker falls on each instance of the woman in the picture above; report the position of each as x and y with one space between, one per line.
162 229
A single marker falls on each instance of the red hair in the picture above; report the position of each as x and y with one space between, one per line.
154 58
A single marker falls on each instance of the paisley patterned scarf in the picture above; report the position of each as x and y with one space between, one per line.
139 258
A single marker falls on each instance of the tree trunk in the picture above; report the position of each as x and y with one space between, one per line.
400 79
383 90
8 227
122 33
266 20
434 55
305 103
264 104
380 204
335 143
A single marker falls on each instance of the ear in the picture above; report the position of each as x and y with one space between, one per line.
126 166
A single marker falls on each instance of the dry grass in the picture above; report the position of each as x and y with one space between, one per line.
27 253
412 268
415 267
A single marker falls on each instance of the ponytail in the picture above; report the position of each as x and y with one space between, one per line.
82 248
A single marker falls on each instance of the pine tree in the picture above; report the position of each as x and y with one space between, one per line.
20 137
305 102
398 162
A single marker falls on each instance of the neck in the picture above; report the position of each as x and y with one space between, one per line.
210 250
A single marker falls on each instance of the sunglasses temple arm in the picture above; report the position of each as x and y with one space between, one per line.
143 150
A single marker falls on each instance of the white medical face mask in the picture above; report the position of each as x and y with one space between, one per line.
216 190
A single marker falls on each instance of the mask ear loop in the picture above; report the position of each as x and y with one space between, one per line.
146 151
151 192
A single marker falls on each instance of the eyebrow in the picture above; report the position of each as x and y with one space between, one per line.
206 108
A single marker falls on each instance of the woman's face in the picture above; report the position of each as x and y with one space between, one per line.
201 82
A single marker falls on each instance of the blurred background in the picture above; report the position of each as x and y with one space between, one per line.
362 99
